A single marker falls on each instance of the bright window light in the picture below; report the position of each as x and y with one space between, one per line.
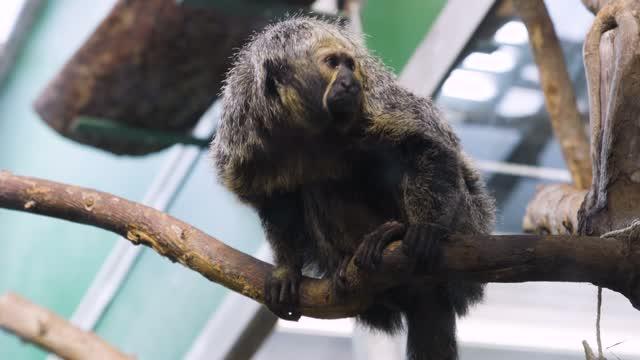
9 10
530 73
469 85
499 61
512 33
520 102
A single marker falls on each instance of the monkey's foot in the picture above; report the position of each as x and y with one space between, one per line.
339 278
422 242
369 254
281 292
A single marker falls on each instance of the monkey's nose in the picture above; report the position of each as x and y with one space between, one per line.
348 85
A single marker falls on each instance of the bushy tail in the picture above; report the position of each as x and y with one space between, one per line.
431 329
430 315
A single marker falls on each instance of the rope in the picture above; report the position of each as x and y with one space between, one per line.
598 315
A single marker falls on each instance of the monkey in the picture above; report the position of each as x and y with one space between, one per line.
339 160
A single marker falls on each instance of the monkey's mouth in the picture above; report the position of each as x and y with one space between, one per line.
343 104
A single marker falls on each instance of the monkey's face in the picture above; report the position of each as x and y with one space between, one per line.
320 91
342 98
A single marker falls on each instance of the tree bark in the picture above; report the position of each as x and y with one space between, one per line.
611 65
558 90
613 68
609 262
52 333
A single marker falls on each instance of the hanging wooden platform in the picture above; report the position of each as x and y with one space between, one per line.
150 64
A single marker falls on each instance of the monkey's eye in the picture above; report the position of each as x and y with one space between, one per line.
350 63
332 61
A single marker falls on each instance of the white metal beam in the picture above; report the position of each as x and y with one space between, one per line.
447 37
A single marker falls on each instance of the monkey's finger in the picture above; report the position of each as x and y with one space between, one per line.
393 232
430 253
284 297
343 268
424 247
293 290
409 241
275 292
367 254
359 255
362 255
389 225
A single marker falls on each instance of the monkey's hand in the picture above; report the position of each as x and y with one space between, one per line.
369 254
422 243
419 241
281 292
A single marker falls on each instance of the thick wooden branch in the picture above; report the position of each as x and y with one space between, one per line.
612 66
607 262
52 333
558 91
554 210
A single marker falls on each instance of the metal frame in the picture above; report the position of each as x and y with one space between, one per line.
237 328
445 40
528 171
10 49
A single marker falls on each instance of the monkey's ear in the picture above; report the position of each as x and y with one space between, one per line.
278 73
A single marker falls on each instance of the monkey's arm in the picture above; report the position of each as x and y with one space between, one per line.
431 195
283 223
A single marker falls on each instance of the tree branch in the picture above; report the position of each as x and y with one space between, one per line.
595 5
52 333
612 66
558 91
607 262
554 210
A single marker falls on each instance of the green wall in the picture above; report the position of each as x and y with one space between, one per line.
395 28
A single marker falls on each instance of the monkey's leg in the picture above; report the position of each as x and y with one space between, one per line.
369 254
282 220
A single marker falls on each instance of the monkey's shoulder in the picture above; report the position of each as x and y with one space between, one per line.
401 117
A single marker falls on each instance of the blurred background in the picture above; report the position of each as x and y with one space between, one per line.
473 57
